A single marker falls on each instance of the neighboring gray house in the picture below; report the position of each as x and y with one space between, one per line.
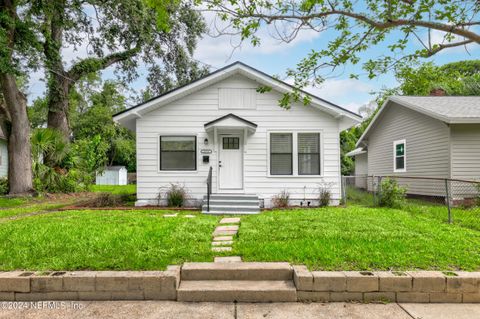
3 155
427 136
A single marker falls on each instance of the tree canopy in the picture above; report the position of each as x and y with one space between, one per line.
405 29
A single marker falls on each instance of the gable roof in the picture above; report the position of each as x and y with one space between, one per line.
448 109
235 68
232 116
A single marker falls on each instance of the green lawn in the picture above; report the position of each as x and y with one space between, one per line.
356 238
6 202
115 189
104 240
465 217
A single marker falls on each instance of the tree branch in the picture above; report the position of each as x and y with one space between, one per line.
454 29
90 65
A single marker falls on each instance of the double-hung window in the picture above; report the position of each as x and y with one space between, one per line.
178 153
281 154
399 156
295 153
308 153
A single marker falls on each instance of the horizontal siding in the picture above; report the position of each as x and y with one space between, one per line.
465 144
4 158
188 116
427 148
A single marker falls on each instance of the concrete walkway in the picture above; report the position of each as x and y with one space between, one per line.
178 310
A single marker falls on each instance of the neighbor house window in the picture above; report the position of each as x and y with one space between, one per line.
308 153
281 157
399 156
178 153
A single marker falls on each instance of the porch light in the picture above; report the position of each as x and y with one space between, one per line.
205 141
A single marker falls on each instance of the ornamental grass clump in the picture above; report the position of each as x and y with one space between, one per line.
281 200
175 194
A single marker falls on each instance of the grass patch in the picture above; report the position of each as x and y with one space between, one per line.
115 189
6 202
99 240
357 238
465 217
35 208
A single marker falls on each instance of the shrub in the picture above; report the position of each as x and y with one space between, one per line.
110 200
105 200
478 195
4 186
281 200
175 194
391 194
324 198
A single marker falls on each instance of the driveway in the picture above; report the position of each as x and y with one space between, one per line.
178 310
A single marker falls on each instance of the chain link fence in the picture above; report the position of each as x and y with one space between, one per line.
452 200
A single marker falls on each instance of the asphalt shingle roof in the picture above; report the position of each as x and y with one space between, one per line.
450 107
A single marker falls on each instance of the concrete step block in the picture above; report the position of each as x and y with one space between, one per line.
237 290
237 271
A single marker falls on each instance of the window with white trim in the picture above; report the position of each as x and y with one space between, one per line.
308 153
295 153
281 154
178 153
399 156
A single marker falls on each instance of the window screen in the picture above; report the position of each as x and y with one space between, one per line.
308 154
281 154
178 153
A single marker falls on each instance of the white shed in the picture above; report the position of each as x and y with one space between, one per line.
113 175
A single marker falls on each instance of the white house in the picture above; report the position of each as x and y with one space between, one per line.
3 155
254 148
112 175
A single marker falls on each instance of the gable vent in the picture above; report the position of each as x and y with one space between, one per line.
231 99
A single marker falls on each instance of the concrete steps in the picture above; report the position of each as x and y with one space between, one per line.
237 281
237 290
231 204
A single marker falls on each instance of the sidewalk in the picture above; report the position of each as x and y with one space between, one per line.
178 310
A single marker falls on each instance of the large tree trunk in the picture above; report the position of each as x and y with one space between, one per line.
58 104
19 149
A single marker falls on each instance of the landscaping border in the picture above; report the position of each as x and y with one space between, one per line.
90 285
387 286
319 286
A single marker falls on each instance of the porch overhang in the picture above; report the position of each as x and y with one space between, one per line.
231 122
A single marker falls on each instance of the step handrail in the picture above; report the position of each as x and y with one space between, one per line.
209 187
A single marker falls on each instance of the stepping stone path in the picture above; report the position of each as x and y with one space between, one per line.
231 259
223 238
170 215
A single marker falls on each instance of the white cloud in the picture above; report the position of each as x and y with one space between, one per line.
438 37
335 89
218 50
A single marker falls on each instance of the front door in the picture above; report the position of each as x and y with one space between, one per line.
230 163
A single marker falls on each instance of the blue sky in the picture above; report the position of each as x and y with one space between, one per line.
275 57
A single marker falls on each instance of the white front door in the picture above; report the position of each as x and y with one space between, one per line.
230 162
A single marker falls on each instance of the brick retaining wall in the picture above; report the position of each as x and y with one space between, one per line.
409 286
90 285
